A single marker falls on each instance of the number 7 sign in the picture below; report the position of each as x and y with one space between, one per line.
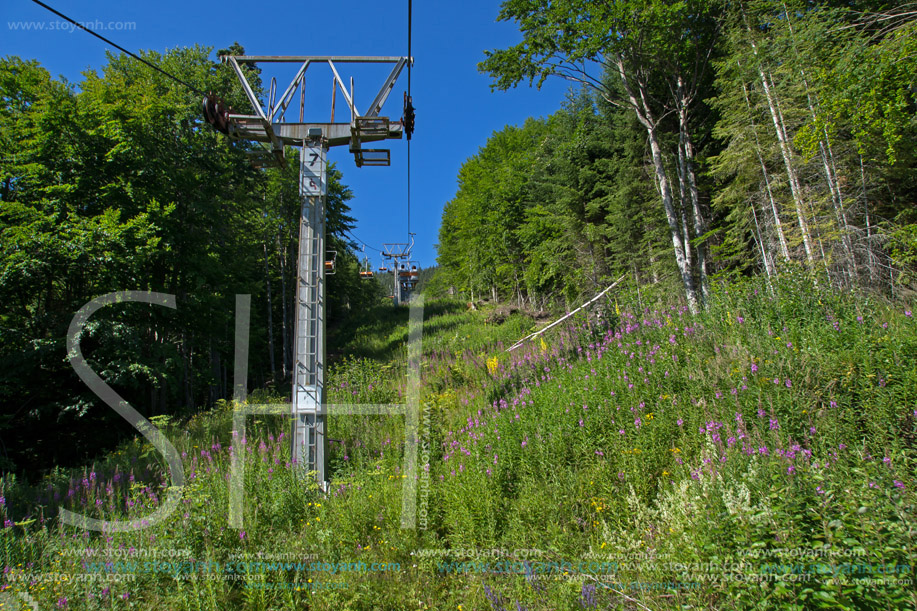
313 171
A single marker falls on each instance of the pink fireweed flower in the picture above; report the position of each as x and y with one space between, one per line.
788 383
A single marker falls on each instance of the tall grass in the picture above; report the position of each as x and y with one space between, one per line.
680 458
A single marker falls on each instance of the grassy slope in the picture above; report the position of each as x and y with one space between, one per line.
742 440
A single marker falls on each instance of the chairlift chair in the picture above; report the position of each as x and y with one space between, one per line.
330 263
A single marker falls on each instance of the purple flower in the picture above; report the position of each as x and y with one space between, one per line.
241 535
679 422
495 459
740 319
791 469
907 313
899 484
788 383
62 602
774 425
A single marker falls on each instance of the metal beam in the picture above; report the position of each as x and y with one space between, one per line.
376 106
344 59
285 98
256 103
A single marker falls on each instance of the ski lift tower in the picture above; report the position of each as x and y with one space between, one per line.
268 125
397 253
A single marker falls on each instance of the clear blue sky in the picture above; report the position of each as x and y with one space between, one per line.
456 111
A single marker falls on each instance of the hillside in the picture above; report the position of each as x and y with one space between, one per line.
583 470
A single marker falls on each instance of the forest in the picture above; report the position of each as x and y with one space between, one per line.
701 140
118 184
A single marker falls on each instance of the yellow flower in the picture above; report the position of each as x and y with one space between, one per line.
492 365
544 346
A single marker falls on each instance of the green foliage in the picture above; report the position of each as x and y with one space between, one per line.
702 496
119 185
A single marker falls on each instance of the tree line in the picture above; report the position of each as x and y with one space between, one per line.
701 138
116 183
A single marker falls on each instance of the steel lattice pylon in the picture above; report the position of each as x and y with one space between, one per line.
309 440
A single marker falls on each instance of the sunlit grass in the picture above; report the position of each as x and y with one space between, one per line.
770 422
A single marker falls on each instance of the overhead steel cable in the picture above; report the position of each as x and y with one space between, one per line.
362 242
410 101
123 50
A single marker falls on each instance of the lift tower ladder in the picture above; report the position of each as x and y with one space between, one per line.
268 126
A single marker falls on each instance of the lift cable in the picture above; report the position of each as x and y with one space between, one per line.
409 108
123 50
362 242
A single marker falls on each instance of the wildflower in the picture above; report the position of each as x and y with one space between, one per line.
679 422
788 383
898 484
790 469
495 459
907 313
241 535
774 425
62 602
740 319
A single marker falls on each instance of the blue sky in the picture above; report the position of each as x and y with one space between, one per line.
456 111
